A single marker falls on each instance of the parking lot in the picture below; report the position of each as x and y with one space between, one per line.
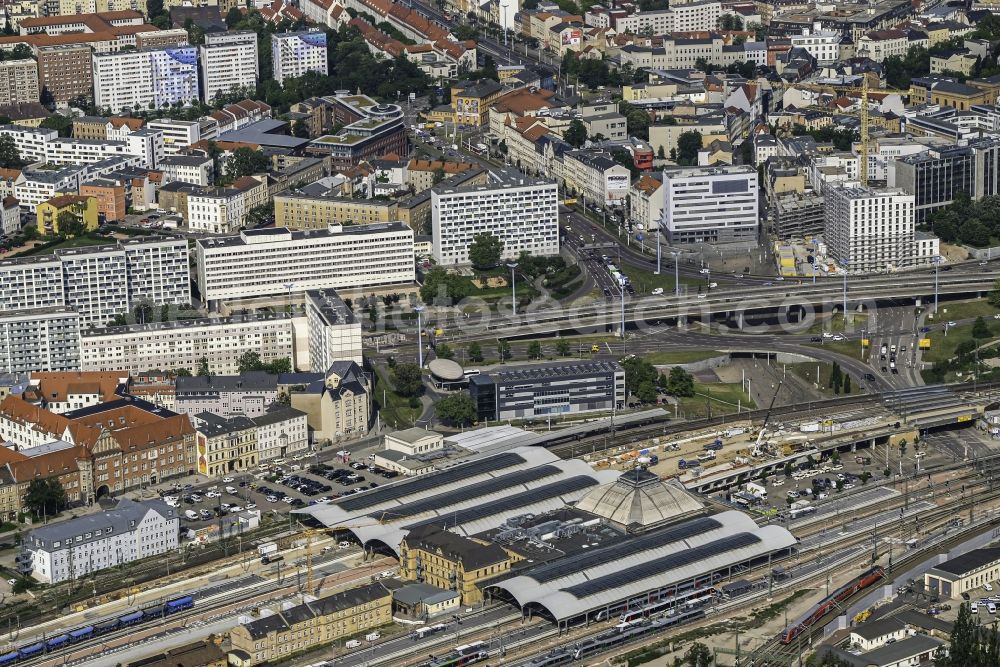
278 486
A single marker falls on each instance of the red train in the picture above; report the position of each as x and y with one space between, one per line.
828 603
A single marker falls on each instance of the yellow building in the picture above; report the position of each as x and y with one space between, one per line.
273 638
471 100
438 557
961 96
48 212
305 212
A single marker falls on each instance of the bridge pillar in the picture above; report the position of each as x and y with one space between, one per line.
739 321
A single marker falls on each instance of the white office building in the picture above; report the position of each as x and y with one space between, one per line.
216 210
131 531
277 261
45 339
183 343
334 331
228 61
160 77
824 46
29 141
295 53
192 169
710 204
872 231
522 212
178 135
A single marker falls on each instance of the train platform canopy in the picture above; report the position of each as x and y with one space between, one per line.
468 498
694 550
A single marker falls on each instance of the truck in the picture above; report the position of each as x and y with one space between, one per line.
271 558
757 490
733 432
811 427
267 549
682 464
800 504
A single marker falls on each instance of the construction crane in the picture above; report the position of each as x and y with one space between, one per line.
759 444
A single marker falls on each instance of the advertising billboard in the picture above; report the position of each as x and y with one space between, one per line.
616 182
572 37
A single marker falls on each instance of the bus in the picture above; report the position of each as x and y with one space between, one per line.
569 202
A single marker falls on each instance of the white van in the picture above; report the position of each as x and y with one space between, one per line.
354 643
974 607
190 515
372 636
987 587
990 607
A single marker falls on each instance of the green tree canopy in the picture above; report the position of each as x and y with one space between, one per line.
10 158
245 162
688 145
980 329
575 134
60 123
637 371
443 288
457 409
679 382
485 251
46 497
475 352
407 379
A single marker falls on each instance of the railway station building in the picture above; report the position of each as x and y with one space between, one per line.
557 538
964 573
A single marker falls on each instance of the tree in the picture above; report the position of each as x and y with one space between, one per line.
260 216
438 175
660 153
245 162
688 145
836 378
46 497
980 328
203 370
503 349
249 361
637 371
70 224
443 288
60 123
993 297
485 251
788 469
444 351
575 134
562 347
535 350
847 384
680 382
10 158
407 379
457 409
646 392
234 17
698 655
300 130
279 366
475 352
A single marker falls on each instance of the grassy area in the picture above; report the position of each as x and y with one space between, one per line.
393 408
835 323
76 242
849 348
679 356
646 281
807 371
962 310
723 399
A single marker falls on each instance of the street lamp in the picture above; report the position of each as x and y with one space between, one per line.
513 291
937 263
420 337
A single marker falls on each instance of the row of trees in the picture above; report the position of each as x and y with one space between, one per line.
974 223
644 382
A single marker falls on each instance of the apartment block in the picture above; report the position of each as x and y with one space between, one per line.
249 394
65 72
94 282
277 261
178 135
596 176
29 141
192 169
225 444
161 77
869 230
281 431
334 331
31 282
158 270
216 210
299 211
19 81
368 130
184 343
75 548
710 204
228 61
45 339
295 53
522 212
